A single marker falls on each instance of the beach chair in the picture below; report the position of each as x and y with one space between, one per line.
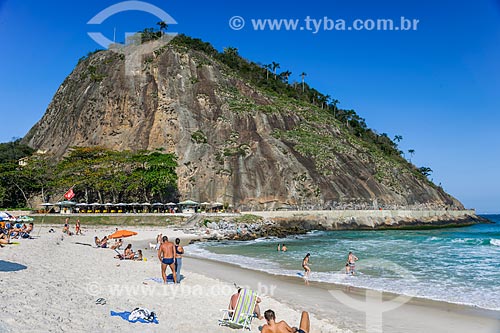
242 315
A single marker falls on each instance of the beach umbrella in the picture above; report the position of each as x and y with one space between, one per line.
122 234
171 204
157 204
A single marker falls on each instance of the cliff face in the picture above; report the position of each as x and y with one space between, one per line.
235 143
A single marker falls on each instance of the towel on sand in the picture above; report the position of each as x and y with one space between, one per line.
138 315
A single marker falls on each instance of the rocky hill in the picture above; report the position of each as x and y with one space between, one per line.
236 143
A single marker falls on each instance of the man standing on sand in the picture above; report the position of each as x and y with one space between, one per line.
166 255
282 326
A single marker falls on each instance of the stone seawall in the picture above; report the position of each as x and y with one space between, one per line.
370 219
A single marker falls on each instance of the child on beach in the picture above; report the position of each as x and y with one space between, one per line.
138 257
78 231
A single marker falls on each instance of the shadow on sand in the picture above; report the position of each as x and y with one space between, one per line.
7 266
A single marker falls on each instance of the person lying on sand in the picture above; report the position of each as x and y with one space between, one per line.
234 301
282 326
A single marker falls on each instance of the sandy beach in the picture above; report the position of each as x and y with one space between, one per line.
51 283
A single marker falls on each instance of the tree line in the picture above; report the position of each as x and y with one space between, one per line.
96 175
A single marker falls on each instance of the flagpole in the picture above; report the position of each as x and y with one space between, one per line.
46 212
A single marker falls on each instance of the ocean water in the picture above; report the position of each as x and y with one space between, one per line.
456 265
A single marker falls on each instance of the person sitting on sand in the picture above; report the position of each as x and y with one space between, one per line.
138 256
16 231
282 327
4 238
97 241
66 230
234 301
104 242
117 244
128 253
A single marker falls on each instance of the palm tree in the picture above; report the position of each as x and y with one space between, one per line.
411 152
162 25
327 100
286 75
268 68
275 67
303 75
398 138
334 103
349 115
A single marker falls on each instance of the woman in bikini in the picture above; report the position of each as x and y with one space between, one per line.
179 251
305 265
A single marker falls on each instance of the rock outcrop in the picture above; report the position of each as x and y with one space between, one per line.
235 143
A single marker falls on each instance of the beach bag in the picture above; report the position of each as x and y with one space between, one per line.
142 313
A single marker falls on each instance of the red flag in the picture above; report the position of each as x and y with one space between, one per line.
70 194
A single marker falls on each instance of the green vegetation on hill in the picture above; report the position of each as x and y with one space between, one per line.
318 110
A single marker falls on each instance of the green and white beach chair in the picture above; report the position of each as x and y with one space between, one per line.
242 315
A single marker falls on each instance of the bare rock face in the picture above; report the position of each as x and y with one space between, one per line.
235 143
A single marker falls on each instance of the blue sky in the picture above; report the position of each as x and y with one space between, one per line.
438 87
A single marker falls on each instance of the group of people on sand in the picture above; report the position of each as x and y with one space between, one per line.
271 325
129 254
170 255
66 229
9 231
